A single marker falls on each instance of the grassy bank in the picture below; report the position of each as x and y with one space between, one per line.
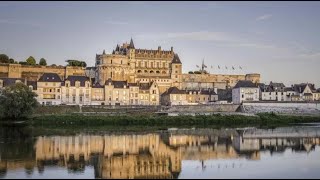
264 119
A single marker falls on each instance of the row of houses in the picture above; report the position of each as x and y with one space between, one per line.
82 90
248 91
77 90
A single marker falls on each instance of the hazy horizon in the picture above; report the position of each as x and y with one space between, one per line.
279 40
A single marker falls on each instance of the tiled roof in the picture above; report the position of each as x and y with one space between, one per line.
81 79
247 84
50 77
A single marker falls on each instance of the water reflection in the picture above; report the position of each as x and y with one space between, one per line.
145 155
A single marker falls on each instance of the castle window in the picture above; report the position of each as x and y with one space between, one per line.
145 71
139 71
111 61
151 72
163 64
151 64
158 72
121 61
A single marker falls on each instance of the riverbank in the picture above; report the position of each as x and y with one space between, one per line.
263 119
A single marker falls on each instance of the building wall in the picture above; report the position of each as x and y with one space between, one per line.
76 95
116 96
240 95
49 92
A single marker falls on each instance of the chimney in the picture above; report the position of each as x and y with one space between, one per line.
171 49
159 48
215 90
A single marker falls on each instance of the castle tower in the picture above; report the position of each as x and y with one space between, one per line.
176 74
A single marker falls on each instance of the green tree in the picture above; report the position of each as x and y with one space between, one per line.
76 63
190 72
11 61
17 101
4 58
197 72
31 61
23 63
43 62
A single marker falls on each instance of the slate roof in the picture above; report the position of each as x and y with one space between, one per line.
81 79
33 84
208 92
288 89
245 84
144 86
50 77
275 87
117 84
97 85
10 81
301 87
174 90
307 94
131 45
176 59
133 84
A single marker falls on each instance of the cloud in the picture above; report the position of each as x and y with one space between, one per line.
225 39
5 21
202 36
264 17
116 22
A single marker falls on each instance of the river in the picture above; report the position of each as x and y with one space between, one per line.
286 152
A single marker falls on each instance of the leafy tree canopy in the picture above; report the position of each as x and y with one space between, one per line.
17 101
43 62
76 63
31 61
4 58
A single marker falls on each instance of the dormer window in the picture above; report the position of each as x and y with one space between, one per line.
67 84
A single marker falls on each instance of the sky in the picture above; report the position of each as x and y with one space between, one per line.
279 40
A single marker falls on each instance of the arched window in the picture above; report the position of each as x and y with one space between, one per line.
158 72
139 71
151 72
145 71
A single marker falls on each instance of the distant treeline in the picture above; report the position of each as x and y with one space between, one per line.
43 62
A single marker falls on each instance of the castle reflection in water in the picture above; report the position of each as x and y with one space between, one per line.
154 155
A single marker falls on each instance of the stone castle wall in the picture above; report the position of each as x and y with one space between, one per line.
33 73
